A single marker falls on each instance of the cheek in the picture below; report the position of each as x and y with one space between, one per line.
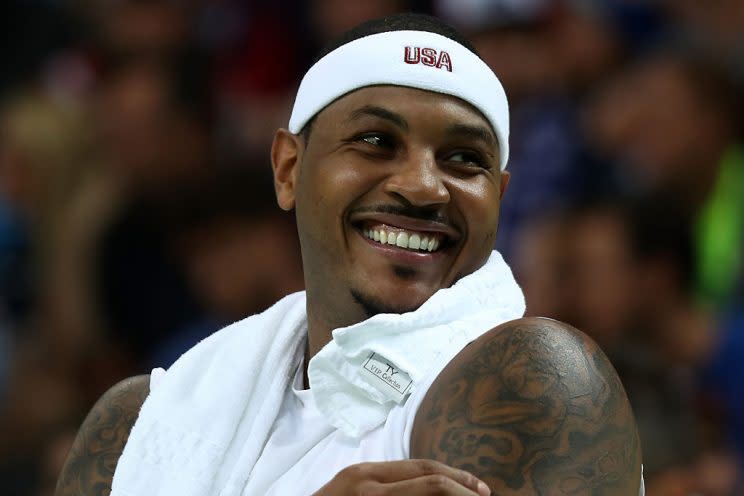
480 203
327 189
341 179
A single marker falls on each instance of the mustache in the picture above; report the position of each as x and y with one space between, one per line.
420 213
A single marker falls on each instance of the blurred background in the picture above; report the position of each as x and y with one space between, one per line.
137 212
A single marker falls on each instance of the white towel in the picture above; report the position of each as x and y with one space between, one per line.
369 367
207 419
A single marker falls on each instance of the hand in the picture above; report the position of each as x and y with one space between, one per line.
409 477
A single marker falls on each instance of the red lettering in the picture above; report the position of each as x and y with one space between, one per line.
428 56
412 55
444 61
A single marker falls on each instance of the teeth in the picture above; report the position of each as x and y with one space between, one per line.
402 239
414 242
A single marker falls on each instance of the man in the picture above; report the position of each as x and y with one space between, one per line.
363 384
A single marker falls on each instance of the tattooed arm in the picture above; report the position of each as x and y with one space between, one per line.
90 466
533 407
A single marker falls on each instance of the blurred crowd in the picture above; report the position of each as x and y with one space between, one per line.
137 212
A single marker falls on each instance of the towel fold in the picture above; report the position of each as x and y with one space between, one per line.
369 367
207 419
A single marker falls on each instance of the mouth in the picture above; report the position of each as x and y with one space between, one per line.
407 239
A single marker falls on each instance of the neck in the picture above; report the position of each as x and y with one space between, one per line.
318 335
327 311
323 318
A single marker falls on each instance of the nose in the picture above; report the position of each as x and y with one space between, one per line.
418 180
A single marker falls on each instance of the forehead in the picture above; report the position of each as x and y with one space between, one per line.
408 102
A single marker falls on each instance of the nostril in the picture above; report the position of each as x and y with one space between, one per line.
419 191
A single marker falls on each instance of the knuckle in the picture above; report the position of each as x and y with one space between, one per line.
357 471
438 483
428 466
468 479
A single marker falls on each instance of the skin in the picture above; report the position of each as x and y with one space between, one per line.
409 477
100 441
532 407
417 154
423 161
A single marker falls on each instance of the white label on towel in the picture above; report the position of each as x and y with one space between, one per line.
398 382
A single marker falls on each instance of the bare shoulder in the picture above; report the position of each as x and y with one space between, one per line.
90 466
533 407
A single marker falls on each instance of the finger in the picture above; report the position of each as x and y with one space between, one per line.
430 485
401 470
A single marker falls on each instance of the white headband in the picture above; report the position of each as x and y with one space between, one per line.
417 59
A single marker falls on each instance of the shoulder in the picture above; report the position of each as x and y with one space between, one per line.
532 407
90 465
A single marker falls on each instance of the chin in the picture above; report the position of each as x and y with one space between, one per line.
372 305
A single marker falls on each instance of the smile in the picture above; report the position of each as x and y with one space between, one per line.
409 240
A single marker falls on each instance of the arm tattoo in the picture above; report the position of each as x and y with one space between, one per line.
90 466
532 407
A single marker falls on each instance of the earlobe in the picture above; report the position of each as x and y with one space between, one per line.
505 176
286 153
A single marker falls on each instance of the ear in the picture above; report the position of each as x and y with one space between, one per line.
286 155
505 176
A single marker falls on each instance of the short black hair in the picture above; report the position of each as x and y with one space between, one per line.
406 21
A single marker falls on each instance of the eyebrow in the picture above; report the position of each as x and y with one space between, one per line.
380 112
472 131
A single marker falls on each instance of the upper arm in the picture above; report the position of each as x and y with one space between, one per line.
90 466
532 407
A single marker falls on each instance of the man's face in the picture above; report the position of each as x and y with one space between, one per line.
391 162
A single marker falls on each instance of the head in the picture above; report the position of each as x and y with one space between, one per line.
43 148
668 119
396 188
143 108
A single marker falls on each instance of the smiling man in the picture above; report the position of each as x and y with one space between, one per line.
392 167
405 367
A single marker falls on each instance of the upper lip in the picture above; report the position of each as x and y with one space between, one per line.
407 223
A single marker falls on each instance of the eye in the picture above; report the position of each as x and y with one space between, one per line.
378 140
469 158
